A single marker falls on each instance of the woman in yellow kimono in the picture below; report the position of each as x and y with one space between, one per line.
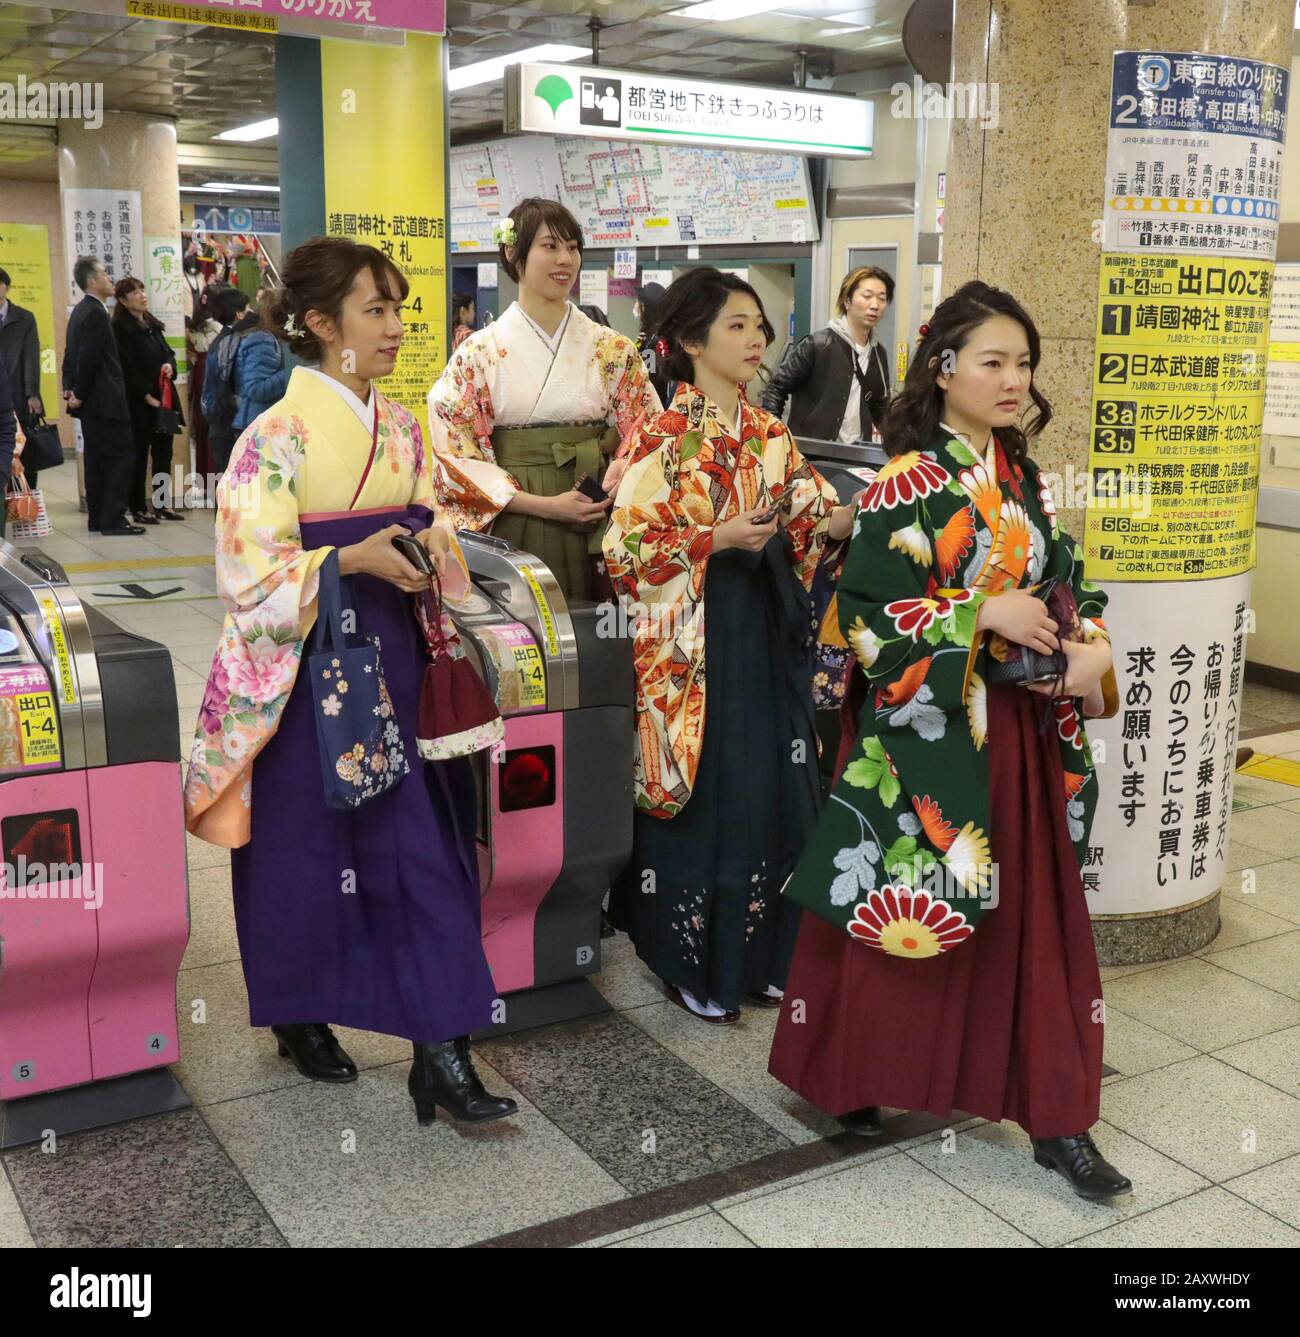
536 400
718 527
368 918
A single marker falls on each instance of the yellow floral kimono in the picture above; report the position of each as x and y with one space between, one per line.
687 474
307 455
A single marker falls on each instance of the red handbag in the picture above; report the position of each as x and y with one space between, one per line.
457 713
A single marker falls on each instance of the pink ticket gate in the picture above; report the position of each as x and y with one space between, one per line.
555 799
94 906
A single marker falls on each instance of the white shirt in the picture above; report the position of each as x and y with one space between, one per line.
365 411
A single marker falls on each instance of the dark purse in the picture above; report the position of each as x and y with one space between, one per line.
42 449
1028 665
361 754
167 419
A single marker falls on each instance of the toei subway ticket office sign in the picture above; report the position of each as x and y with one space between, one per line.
621 104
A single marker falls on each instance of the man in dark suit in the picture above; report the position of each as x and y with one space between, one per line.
8 435
96 393
20 352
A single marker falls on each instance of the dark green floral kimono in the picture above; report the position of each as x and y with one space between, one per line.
900 857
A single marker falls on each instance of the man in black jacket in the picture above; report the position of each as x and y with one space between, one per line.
838 377
8 436
96 393
20 351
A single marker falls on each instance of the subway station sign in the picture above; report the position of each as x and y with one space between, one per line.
621 104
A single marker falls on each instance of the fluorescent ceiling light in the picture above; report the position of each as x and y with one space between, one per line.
840 32
235 188
485 71
720 11
246 134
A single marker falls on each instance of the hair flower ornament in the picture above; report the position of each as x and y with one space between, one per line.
292 328
924 331
503 232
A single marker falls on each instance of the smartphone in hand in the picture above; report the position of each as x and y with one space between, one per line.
414 551
591 489
767 517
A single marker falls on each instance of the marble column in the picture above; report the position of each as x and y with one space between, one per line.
1023 212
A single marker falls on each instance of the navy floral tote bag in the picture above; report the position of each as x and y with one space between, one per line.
361 754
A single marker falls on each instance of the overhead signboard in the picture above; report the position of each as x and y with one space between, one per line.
621 104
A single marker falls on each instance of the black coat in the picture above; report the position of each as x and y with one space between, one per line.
20 350
92 369
144 352
8 423
817 373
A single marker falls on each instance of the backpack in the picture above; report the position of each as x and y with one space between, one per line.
218 400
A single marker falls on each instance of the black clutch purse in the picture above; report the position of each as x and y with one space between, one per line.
1029 665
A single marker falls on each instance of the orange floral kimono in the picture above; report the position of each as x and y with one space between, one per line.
688 474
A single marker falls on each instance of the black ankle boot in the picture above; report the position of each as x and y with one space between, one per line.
1077 1158
315 1052
865 1122
443 1074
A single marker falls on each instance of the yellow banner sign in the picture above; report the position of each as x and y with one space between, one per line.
25 256
212 18
1177 413
385 172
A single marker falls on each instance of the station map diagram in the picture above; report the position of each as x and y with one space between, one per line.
633 194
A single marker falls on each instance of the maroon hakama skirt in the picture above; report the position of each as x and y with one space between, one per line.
1007 1024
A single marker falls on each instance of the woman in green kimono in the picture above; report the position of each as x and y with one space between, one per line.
539 398
949 964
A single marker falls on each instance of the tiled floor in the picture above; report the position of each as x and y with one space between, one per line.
641 1128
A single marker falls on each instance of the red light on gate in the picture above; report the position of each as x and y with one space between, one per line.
527 779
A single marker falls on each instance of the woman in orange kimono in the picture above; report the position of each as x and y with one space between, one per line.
717 529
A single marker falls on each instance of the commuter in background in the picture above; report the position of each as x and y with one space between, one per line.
95 393
645 310
201 329
366 913
20 350
149 367
718 528
259 376
837 379
462 318
537 403
8 437
229 307
946 959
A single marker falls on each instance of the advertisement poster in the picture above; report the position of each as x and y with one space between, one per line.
25 254
104 223
385 185
162 276
1282 392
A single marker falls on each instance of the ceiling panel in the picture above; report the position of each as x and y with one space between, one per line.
212 79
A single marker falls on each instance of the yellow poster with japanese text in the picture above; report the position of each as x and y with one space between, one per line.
25 256
1177 415
385 171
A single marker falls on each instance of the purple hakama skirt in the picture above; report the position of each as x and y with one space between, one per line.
370 918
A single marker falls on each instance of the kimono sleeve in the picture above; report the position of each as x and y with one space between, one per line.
897 625
633 400
268 582
660 534
809 503
455 577
467 480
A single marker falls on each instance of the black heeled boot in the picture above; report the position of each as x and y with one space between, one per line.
315 1052
864 1122
1090 1174
443 1074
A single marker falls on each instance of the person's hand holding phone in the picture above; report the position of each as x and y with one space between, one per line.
749 530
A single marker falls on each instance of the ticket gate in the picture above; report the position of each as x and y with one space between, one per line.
94 907
847 467
555 798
